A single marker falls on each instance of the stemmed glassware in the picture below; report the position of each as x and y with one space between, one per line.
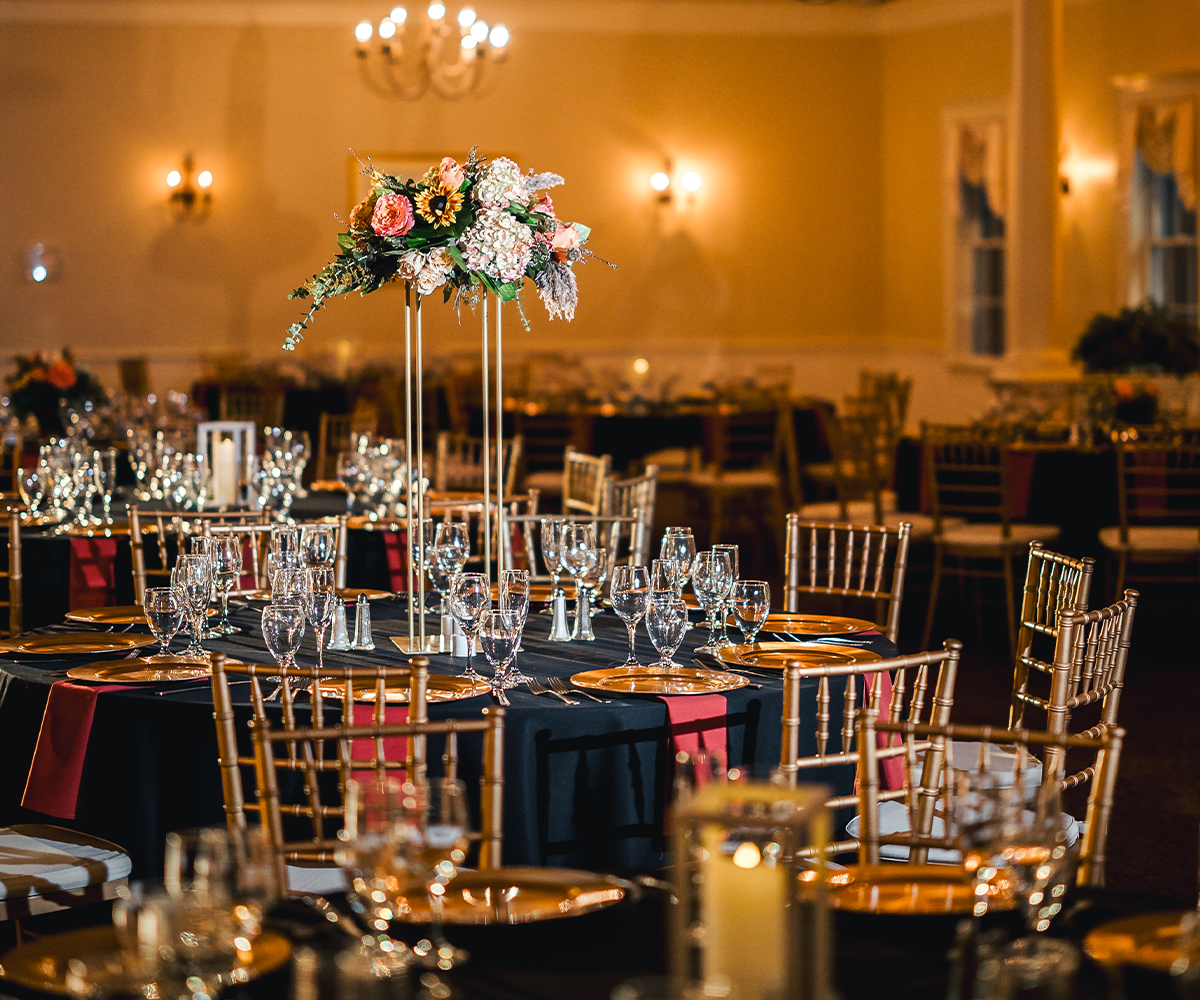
470 597
499 636
452 546
320 598
666 622
227 570
319 542
722 640
578 554
664 579
552 532
192 578
164 609
596 577
283 631
630 595
712 580
751 600
514 595
679 546
202 545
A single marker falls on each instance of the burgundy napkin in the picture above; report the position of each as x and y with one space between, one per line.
93 582
891 769
397 552
57 767
1020 483
697 720
394 747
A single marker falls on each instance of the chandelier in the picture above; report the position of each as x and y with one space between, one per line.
414 54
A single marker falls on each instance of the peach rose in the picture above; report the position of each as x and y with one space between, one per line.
61 375
564 240
543 205
450 173
393 215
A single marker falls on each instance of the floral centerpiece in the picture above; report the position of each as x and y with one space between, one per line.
460 227
42 380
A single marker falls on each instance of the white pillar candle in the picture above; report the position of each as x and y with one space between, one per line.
225 476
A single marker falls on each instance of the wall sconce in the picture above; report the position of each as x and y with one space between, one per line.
42 264
661 182
1077 171
186 201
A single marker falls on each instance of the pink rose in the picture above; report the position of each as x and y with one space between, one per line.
393 215
564 240
545 206
450 173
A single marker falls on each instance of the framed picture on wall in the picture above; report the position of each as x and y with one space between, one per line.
401 165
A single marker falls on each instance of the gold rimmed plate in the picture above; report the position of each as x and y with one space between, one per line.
517 896
74 643
145 670
927 890
120 614
775 655
814 624
41 965
439 687
653 681
1146 940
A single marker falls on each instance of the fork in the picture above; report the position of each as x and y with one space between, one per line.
537 687
559 685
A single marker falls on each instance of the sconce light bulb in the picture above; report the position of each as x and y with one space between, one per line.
39 272
641 366
468 42
204 178
173 178
691 181
436 11
466 17
363 31
399 15
479 31
498 36
387 28
660 181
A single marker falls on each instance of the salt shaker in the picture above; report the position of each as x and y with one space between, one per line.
338 638
362 624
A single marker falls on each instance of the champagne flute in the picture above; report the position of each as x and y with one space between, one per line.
227 568
630 595
723 639
320 597
666 622
679 546
164 609
751 604
202 545
470 597
192 577
551 538
712 580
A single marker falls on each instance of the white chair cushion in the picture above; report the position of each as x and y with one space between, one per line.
315 881
988 535
36 860
1149 540
1002 762
893 818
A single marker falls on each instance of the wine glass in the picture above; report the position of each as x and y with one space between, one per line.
202 545
285 545
470 597
712 580
435 840
164 609
283 631
679 546
32 487
577 553
227 568
192 577
751 600
1038 856
630 594
596 577
452 546
320 597
666 622
320 544
722 640
551 538
287 582
664 578
514 595
499 635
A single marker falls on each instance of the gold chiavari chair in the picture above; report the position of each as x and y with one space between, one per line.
257 541
264 408
12 576
932 782
874 676
635 498
333 435
616 533
1158 503
460 462
846 560
137 544
967 476
583 481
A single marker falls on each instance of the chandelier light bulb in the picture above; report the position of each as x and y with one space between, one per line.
660 181
173 178
363 31
466 17
468 42
39 273
399 15
691 181
498 36
436 11
479 30
387 28
204 178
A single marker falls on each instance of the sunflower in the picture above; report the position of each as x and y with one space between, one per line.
438 204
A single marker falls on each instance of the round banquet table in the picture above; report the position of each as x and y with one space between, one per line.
585 785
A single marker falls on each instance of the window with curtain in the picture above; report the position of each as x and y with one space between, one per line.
1162 210
979 257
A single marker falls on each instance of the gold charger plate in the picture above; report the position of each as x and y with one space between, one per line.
119 614
41 964
345 593
538 592
517 896
1146 940
896 889
648 680
811 654
439 687
144 670
74 643
814 624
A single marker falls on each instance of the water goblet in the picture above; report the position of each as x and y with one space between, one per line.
514 595
283 631
679 546
499 634
320 598
470 597
551 538
712 580
664 579
192 578
666 622
287 582
452 546
1039 856
227 571
319 543
578 553
596 577
751 600
164 609
285 545
202 545
630 595
722 640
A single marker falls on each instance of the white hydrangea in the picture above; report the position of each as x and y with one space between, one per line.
500 182
498 244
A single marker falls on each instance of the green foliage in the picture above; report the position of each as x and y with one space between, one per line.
1143 340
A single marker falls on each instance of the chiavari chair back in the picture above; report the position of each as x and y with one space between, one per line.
12 447
256 542
930 781
264 408
617 534
892 393
11 576
847 561
635 497
333 435
137 543
886 696
460 462
583 481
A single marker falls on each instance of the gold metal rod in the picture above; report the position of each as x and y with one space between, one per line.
487 489
408 401
499 440
420 535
